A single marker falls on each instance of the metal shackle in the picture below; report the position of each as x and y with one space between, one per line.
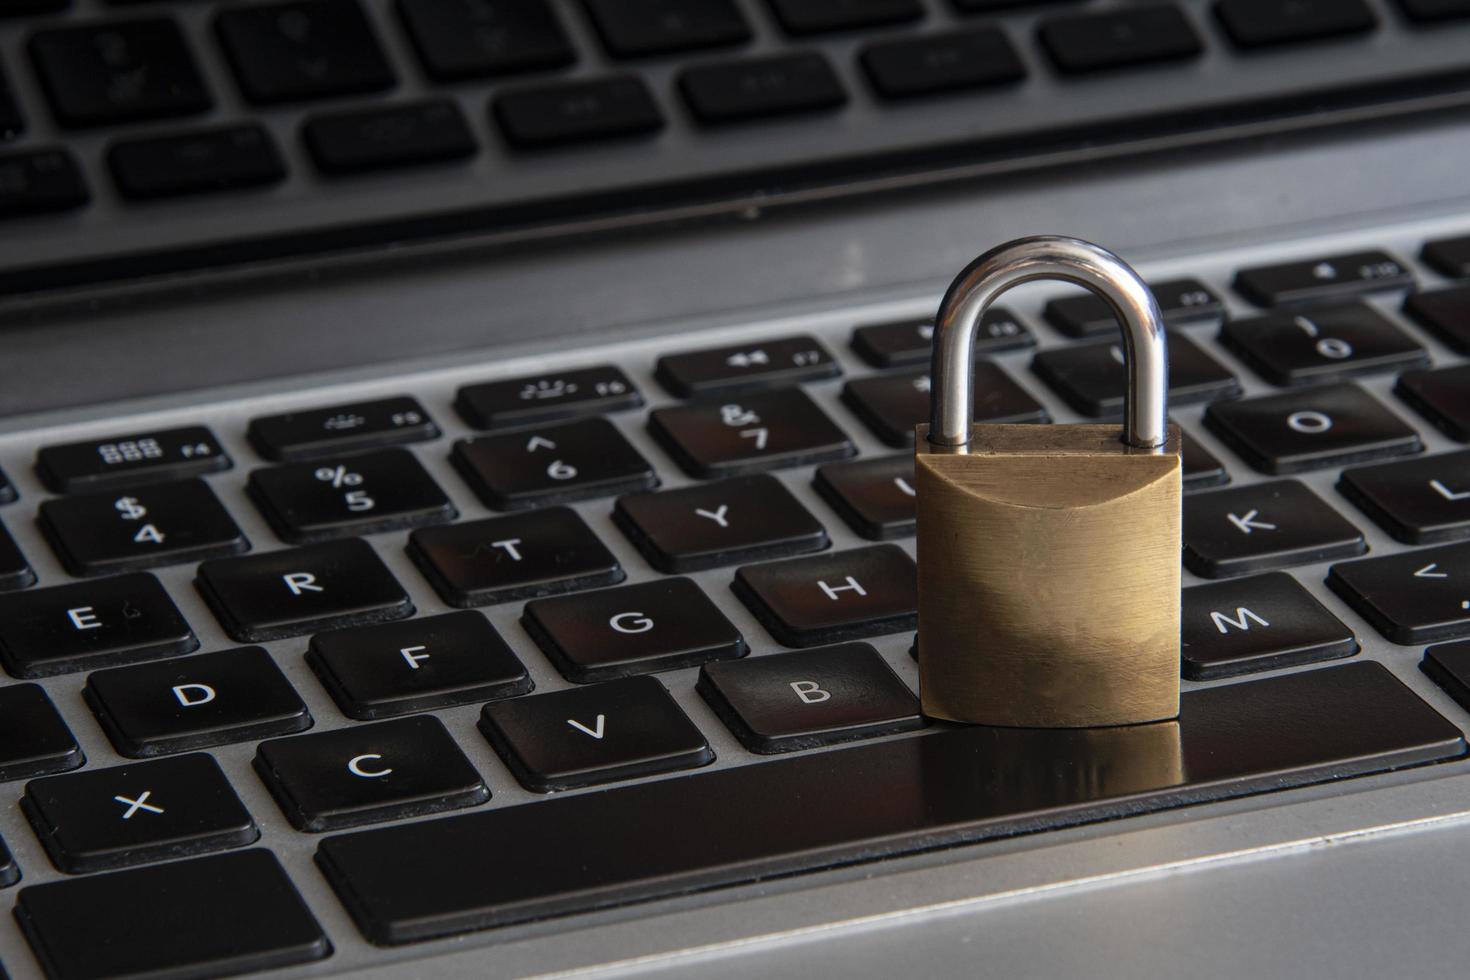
1145 347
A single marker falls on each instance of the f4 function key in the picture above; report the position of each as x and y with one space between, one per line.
131 460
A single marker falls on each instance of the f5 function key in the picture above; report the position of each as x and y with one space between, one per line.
131 460
318 432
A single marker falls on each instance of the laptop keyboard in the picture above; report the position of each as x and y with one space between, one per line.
416 642
323 126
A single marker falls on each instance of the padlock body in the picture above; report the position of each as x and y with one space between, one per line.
1049 576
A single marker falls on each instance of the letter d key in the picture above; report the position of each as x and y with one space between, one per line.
1049 555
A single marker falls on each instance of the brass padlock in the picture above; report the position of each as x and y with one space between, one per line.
1049 554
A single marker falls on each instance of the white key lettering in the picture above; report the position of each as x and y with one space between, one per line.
83 618
300 582
355 765
193 695
853 585
810 692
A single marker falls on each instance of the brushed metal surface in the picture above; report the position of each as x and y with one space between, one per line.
1049 577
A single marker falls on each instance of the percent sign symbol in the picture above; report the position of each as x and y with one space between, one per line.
338 476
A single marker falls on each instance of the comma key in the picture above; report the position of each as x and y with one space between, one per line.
1411 598
288 593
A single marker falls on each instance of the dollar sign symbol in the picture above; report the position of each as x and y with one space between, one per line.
129 507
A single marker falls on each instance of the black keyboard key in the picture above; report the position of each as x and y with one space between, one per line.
1329 344
874 496
15 571
1420 501
1201 468
23 8
9 875
762 431
1093 378
969 784
589 735
891 405
848 595
1441 396
225 914
131 460
801 700
300 590
574 112
135 813
735 91
167 524
33 738
1429 11
463 39
7 489
1450 257
1261 623
390 769
1262 526
1411 598
303 49
909 343
12 123
114 620
318 432
821 16
1262 23
1444 313
947 62
1331 278
633 28
194 703
200 162
547 398
553 464
636 629
1180 300
543 552
1312 429
377 491
398 668
1448 665
1138 36
402 135
40 182
111 72
744 518
749 367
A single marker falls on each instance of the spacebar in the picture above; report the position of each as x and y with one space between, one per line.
959 785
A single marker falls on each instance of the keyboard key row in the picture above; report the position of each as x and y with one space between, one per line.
455 874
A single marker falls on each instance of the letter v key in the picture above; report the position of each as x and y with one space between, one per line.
594 732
